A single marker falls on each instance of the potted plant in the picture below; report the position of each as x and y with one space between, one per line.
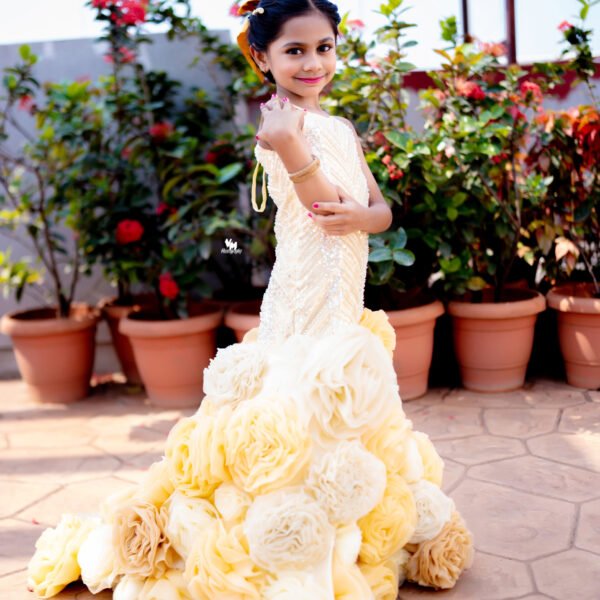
54 345
483 199
370 93
567 150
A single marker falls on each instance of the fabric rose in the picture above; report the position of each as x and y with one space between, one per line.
383 579
377 323
288 529
231 502
295 587
351 385
348 539
96 557
433 465
219 566
54 564
439 562
195 453
434 510
250 336
348 482
236 373
142 548
390 525
349 583
186 519
171 586
390 444
266 447
128 588
156 485
117 500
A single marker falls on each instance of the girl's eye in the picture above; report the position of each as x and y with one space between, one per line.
296 51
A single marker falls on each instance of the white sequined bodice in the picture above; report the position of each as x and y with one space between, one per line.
317 282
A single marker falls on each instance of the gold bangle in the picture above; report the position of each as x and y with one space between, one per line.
306 172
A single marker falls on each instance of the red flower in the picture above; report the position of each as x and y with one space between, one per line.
168 286
26 102
386 160
161 131
499 158
211 158
355 24
516 114
163 207
131 12
469 89
528 87
101 4
129 231
565 26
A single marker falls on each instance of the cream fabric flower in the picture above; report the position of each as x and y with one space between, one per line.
54 564
142 548
266 447
390 525
350 386
96 557
348 482
128 588
349 583
236 373
433 464
231 502
295 587
156 485
171 586
219 566
390 444
288 529
195 453
377 323
348 540
186 519
383 579
439 562
434 510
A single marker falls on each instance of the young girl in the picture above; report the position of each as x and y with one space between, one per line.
300 475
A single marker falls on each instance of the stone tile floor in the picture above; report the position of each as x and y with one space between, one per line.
523 468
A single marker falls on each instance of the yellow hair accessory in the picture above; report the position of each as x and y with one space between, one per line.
250 6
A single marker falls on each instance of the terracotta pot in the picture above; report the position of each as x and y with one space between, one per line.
243 316
113 313
172 355
414 346
55 356
578 332
493 340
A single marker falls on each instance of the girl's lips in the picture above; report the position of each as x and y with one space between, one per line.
308 80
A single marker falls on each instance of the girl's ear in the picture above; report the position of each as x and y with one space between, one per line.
260 58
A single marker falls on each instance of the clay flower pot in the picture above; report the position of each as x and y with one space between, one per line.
113 313
493 340
242 317
414 346
578 332
55 356
172 355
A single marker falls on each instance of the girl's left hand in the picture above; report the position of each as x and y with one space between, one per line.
339 218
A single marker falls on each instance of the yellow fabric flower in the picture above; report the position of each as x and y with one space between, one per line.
390 525
348 582
232 503
433 464
96 557
142 548
377 323
54 564
195 453
266 447
171 586
389 442
156 485
219 566
384 579
439 562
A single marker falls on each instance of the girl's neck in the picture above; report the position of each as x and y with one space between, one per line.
310 103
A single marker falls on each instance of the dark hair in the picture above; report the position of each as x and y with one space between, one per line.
265 28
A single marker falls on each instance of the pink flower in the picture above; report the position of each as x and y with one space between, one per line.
386 160
565 26
355 24
528 87
26 102
129 231
494 49
469 89
130 12
168 286
516 114
161 131
101 4
233 11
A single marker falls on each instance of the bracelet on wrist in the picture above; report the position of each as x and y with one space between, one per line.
307 172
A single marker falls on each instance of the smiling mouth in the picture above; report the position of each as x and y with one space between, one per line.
310 79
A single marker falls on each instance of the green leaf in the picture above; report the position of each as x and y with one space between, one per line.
380 255
404 258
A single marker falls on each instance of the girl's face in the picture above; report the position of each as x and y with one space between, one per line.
302 59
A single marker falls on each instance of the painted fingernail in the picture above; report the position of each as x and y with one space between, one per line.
315 206
285 99
273 96
257 137
262 104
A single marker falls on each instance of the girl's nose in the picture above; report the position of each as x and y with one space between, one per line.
312 63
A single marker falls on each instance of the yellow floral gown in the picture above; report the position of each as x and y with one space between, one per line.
300 476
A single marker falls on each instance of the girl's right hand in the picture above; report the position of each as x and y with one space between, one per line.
281 122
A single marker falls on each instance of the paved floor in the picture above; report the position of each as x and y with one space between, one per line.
523 468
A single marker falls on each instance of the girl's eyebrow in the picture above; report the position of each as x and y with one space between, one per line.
327 39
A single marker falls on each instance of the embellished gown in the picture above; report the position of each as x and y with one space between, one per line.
299 477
